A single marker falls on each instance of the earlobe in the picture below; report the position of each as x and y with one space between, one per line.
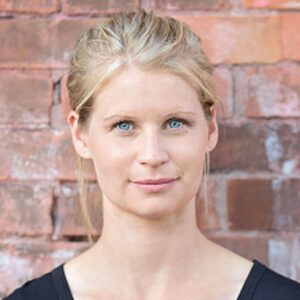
79 138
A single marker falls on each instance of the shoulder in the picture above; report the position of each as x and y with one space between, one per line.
269 284
39 288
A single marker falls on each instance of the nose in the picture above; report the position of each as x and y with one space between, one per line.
151 150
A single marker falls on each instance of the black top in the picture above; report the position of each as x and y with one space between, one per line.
261 284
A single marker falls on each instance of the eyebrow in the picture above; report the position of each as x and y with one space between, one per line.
126 116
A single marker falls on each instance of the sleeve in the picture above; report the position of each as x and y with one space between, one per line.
36 289
275 286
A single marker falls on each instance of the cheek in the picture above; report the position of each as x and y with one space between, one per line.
190 152
110 161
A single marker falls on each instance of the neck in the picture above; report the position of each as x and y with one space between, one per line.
149 253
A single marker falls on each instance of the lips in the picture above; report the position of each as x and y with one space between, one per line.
156 181
155 185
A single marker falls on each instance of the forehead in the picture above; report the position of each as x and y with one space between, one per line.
134 89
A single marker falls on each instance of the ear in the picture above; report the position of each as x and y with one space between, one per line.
79 137
213 132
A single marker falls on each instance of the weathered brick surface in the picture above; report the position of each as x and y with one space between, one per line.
286 206
223 80
250 204
272 91
65 34
290 36
57 115
65 97
76 7
29 6
193 4
25 208
37 155
263 204
39 43
284 253
25 43
251 247
276 4
25 99
238 39
257 147
22 260
68 216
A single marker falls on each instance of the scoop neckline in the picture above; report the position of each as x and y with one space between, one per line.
252 280
248 288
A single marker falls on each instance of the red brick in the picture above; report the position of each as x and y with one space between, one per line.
40 43
257 147
25 208
25 43
211 221
58 116
223 80
26 259
193 4
284 253
272 91
68 216
65 34
37 155
263 204
25 99
286 203
250 204
250 247
29 6
238 39
65 97
277 4
290 36
77 7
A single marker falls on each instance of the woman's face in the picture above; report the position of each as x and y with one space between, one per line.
148 125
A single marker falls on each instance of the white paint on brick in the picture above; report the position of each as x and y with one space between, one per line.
284 254
67 191
292 4
67 55
63 255
289 166
274 149
279 254
4 260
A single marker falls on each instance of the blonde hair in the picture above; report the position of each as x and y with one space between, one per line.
140 39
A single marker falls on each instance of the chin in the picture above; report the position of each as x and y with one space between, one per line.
155 209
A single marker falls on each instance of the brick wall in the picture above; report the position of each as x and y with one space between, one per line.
254 199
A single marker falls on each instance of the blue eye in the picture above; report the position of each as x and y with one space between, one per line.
123 125
126 126
176 123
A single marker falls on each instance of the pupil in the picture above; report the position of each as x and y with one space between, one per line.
124 125
174 123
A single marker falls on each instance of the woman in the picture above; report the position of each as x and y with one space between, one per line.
143 111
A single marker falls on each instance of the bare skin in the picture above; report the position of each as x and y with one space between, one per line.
151 247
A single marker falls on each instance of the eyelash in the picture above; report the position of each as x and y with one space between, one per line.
184 122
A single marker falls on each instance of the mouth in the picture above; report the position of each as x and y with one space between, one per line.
155 185
156 181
